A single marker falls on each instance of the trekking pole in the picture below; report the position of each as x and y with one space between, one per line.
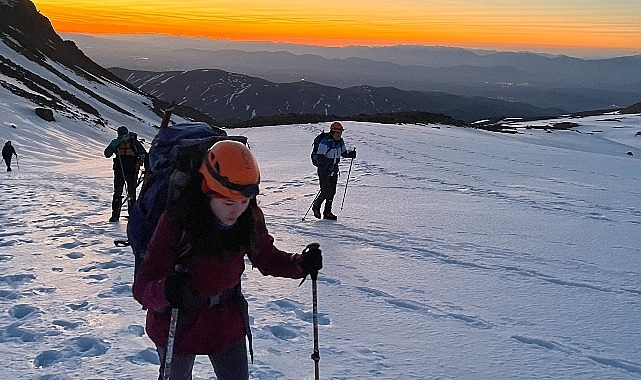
316 353
122 171
137 184
171 338
346 182
310 206
170 343
17 163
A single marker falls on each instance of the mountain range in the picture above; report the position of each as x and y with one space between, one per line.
231 97
67 81
546 83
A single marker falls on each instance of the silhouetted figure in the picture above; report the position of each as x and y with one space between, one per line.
129 155
7 152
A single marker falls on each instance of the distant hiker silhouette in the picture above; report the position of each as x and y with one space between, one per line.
7 152
130 154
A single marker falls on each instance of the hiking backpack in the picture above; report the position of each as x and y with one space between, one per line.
176 153
317 141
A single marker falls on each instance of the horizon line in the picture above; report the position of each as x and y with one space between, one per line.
558 50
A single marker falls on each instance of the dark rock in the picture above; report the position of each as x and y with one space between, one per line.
45 114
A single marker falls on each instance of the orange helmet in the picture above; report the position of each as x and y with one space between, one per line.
336 127
230 169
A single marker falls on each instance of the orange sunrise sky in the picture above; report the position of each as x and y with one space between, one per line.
505 25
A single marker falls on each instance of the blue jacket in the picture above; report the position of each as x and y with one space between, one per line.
329 154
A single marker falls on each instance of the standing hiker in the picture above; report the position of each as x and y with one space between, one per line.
129 155
328 154
195 262
7 152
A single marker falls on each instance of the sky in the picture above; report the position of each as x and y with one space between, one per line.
457 254
538 25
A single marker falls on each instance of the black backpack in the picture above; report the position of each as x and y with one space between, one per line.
317 141
176 153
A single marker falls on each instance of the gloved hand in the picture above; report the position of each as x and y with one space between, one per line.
180 294
311 259
351 153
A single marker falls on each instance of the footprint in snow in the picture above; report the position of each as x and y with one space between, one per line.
144 357
66 325
286 305
84 346
23 311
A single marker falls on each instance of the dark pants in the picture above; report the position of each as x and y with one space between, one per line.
7 160
130 177
230 364
327 191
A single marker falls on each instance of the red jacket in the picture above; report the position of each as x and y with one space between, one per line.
211 329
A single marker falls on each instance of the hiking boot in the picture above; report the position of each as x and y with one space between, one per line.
316 205
327 213
115 209
329 216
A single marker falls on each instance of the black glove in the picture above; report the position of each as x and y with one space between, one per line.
351 153
180 294
311 259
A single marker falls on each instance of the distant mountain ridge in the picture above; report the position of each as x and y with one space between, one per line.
230 97
541 80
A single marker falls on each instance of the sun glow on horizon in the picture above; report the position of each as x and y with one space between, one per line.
336 23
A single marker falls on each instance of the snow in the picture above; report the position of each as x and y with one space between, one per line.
458 254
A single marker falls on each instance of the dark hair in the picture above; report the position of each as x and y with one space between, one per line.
192 211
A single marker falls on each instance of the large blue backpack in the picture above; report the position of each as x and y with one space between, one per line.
175 155
317 140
